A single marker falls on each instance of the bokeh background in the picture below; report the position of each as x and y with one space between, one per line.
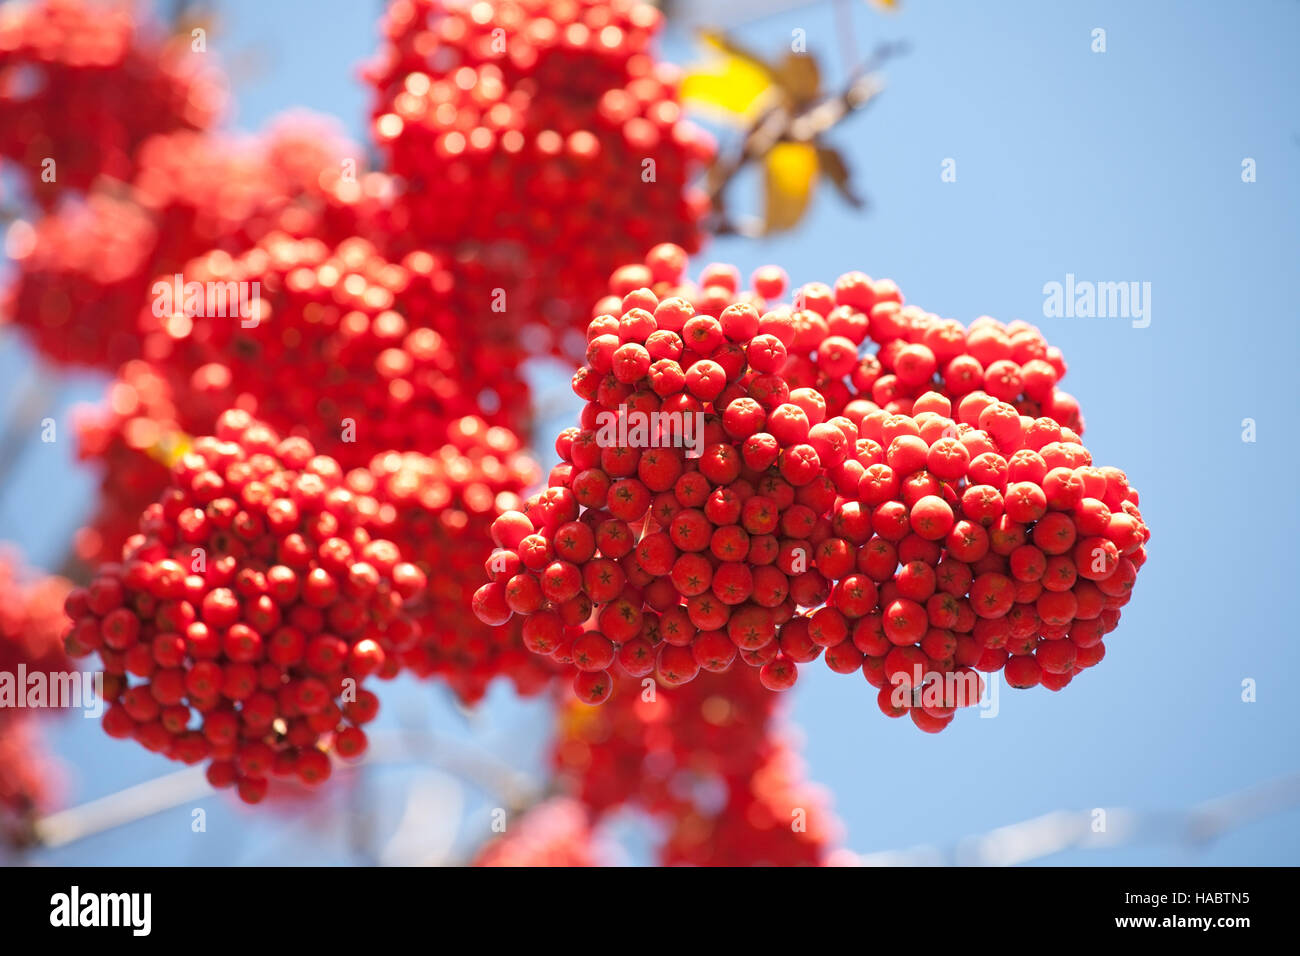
1116 166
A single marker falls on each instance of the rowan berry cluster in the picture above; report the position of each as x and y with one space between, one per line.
81 275
439 509
543 136
646 745
882 534
978 539
83 86
132 436
344 346
380 338
556 832
301 176
774 817
28 779
707 760
86 268
828 329
31 636
246 614
31 620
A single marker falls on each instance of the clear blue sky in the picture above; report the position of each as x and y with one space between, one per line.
1117 166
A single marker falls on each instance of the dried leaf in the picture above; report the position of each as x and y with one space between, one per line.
836 170
789 171
798 75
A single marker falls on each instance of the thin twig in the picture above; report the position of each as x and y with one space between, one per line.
848 37
125 806
1102 829
780 124
173 790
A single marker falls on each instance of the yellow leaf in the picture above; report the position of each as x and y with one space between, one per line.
721 43
789 171
735 83
889 6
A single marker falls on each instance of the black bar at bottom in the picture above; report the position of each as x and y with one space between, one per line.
212 905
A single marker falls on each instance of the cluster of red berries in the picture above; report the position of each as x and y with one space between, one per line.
243 618
28 779
81 274
649 741
964 540
677 559
539 133
87 268
31 635
134 436
301 176
556 832
798 528
703 758
327 353
82 85
825 330
773 817
439 509
381 339
31 620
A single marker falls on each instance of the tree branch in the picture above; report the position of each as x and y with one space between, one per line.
1063 830
152 797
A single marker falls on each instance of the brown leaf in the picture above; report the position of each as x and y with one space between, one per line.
837 171
799 77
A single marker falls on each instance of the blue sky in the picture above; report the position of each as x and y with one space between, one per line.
1116 166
